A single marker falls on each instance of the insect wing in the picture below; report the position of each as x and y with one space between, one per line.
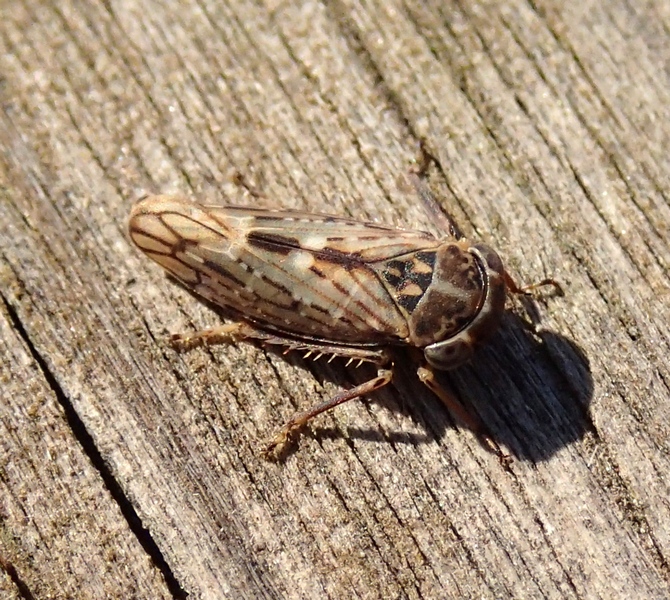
309 276
326 234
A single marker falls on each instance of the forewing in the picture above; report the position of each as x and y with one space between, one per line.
364 242
309 276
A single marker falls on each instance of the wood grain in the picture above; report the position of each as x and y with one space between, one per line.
130 470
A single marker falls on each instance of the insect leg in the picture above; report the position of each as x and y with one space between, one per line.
441 217
427 377
526 289
224 334
229 333
279 444
239 179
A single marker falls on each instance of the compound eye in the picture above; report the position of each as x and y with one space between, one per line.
449 354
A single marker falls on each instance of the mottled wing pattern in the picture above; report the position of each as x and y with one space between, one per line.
309 276
366 242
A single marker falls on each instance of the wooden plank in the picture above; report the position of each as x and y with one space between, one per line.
64 533
550 126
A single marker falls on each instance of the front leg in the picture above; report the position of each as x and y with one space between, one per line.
526 289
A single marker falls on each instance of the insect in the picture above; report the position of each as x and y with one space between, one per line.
327 285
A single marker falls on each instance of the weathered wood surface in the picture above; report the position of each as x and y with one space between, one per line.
128 470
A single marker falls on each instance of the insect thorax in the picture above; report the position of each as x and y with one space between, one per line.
462 303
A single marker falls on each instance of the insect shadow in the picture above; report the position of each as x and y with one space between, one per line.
531 390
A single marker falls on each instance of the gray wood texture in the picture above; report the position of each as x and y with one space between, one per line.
128 470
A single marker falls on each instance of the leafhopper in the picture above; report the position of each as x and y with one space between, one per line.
327 285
